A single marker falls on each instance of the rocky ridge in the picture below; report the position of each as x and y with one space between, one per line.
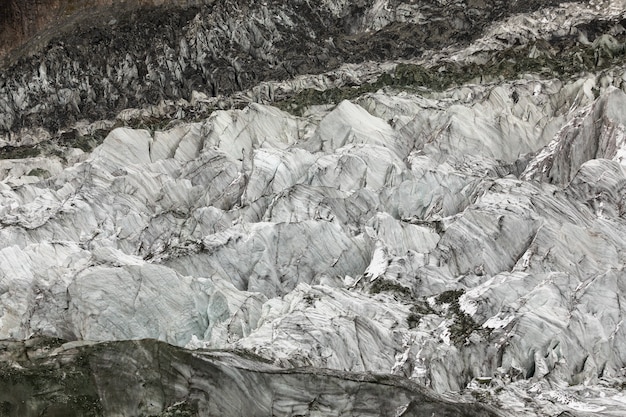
463 233
68 379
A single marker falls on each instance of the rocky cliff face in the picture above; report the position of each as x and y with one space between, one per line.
446 218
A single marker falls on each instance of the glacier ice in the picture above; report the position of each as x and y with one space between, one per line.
467 237
250 230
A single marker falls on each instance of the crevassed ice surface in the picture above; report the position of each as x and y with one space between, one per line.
453 238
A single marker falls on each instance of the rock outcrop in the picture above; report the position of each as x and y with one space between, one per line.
120 378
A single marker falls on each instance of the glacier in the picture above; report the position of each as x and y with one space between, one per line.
338 241
396 250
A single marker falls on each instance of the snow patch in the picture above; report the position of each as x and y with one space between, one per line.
378 265
497 322
467 305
